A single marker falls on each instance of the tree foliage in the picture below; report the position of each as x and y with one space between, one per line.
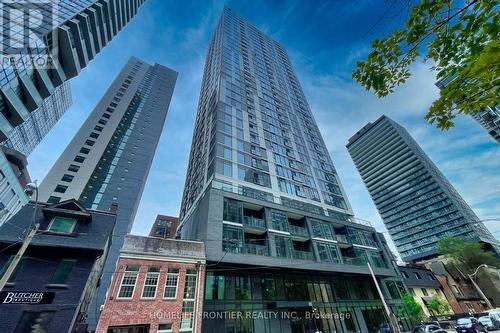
438 306
460 38
412 309
465 254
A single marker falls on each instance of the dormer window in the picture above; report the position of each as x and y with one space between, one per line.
61 224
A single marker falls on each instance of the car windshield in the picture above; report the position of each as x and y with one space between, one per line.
484 318
464 321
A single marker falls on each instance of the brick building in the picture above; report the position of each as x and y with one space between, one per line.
51 288
158 286
459 291
164 226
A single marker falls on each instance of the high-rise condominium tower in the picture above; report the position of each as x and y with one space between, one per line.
262 192
488 118
45 43
109 158
416 202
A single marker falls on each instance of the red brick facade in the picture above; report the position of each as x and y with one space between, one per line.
123 312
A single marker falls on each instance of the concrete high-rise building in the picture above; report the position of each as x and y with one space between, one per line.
488 118
46 43
262 192
109 158
417 203
164 226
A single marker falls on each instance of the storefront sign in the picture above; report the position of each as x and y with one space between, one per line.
26 297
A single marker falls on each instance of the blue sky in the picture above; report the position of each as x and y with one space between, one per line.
324 39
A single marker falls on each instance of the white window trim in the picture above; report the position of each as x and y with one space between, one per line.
121 284
156 285
176 286
61 232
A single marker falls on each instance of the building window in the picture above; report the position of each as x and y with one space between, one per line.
30 319
165 328
98 128
437 291
405 275
151 282
13 275
60 188
228 170
67 178
106 115
129 280
89 142
171 283
457 290
94 135
102 122
62 224
84 150
412 291
63 271
417 276
190 286
73 168
53 199
431 277
79 159
424 291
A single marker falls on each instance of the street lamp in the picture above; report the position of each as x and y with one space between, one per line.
483 296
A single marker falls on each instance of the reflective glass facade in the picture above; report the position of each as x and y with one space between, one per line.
58 40
416 202
262 193
108 160
254 127
26 137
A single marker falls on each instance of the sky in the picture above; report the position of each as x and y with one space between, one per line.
324 39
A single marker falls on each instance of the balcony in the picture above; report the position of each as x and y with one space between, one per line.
298 231
341 239
378 262
259 250
356 261
254 222
303 255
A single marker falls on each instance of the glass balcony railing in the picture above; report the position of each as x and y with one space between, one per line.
299 231
378 262
254 222
356 261
341 238
303 255
259 250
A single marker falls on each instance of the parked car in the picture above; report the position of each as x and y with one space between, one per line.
495 317
428 328
487 322
469 325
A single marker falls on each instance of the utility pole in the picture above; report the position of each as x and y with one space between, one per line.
392 318
33 227
483 296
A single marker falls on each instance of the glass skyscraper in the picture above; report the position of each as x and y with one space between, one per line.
45 43
26 136
108 160
261 191
417 203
